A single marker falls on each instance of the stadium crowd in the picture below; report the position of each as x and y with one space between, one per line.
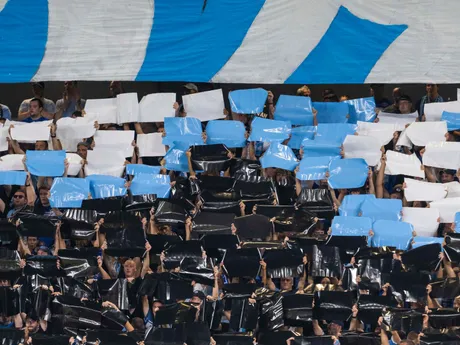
235 252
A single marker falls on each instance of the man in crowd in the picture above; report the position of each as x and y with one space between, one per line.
48 106
71 100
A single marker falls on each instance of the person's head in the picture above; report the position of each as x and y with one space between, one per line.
431 90
325 281
43 251
32 242
344 98
405 104
32 325
198 297
115 88
420 204
70 86
38 89
138 323
335 328
19 198
36 106
397 192
331 97
157 304
304 91
447 175
76 113
286 283
397 92
457 302
41 145
5 282
413 336
190 88
43 192
129 268
82 150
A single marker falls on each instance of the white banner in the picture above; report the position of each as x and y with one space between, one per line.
402 164
150 145
447 209
205 106
442 155
116 140
127 108
433 111
156 106
105 162
424 220
11 162
360 146
74 161
421 133
400 121
31 132
382 132
101 110
423 191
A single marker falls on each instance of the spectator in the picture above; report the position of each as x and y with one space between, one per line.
5 113
394 108
36 111
71 100
432 96
115 88
404 105
49 108
376 91
304 91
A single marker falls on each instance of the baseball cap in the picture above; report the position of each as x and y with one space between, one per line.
191 86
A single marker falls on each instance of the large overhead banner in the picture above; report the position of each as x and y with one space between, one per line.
240 41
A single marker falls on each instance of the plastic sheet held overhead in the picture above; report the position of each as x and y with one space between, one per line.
392 234
242 262
334 132
295 109
313 168
13 178
382 209
297 310
333 305
151 184
331 112
320 148
279 156
351 204
351 226
253 226
104 186
67 192
430 255
266 130
185 130
135 169
299 134
452 120
176 158
210 158
347 173
316 201
326 262
271 314
250 101
361 109
229 133
45 163
284 263
370 307
212 223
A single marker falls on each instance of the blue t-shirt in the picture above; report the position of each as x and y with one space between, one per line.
30 120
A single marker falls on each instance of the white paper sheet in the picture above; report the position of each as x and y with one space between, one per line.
442 155
403 140
360 146
102 110
447 209
105 162
398 120
80 128
205 106
433 111
421 133
453 189
424 191
74 164
402 164
156 106
382 132
3 138
424 220
31 132
127 108
11 162
150 145
115 140
458 94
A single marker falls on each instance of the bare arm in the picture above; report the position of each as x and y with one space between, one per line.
30 191
380 178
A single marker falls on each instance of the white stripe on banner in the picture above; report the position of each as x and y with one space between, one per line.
280 38
109 36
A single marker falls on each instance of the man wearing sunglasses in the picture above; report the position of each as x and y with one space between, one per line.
19 202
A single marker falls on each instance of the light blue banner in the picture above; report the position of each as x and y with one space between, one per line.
452 120
45 163
392 234
104 186
269 130
68 192
279 156
351 226
382 209
135 169
313 168
17 178
347 173
457 222
250 101
331 112
295 109
183 130
351 204
334 132
299 134
318 148
151 184
229 133
176 159
423 241
361 109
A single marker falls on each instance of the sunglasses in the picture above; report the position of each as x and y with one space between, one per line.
18 196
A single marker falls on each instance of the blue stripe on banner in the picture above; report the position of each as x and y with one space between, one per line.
104 186
361 109
17 178
351 226
247 101
229 133
279 156
191 42
347 173
295 109
452 120
392 234
151 184
183 130
457 222
331 112
358 42
382 209
22 42
45 163
68 192
351 204
135 169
